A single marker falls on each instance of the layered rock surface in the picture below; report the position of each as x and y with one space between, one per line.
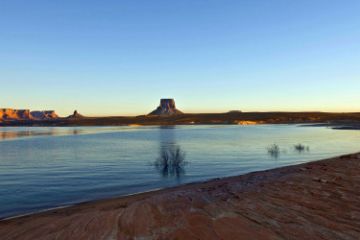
167 107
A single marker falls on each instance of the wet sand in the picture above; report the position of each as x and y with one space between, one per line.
317 200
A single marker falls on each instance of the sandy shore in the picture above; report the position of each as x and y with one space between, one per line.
318 200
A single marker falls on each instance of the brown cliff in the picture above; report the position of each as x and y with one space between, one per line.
167 107
43 115
9 114
75 115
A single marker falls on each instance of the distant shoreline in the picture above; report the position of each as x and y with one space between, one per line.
349 120
277 203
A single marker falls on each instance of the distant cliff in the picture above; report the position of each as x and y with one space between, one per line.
8 114
43 115
75 115
167 107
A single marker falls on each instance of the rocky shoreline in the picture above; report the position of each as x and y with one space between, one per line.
236 118
316 200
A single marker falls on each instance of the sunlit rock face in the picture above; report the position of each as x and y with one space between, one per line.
14 114
167 107
8 114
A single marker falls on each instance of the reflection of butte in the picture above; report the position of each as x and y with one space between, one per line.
167 140
167 137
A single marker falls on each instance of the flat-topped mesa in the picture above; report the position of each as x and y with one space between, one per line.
9 114
167 107
43 115
14 114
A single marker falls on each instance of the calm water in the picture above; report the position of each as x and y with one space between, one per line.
42 168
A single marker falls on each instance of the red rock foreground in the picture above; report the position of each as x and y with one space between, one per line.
318 200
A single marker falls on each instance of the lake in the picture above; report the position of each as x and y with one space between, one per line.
47 167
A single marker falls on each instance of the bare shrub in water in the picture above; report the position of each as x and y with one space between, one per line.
301 148
274 150
171 162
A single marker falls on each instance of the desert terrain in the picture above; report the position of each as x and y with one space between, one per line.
193 119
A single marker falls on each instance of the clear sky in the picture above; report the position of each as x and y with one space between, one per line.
118 57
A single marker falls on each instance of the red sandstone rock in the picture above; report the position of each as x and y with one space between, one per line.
8 114
14 114
167 107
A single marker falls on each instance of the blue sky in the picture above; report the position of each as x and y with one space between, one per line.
120 57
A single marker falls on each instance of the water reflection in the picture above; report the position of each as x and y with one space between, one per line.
15 133
6 135
171 161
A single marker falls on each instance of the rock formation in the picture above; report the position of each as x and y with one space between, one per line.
8 114
43 115
75 115
167 107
